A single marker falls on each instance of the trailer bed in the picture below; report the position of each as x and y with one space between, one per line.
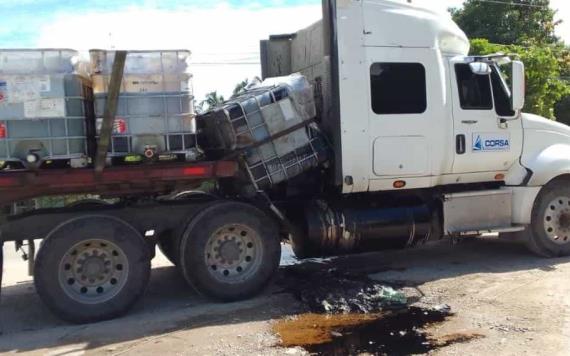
113 181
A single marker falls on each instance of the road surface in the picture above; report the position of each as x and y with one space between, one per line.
519 303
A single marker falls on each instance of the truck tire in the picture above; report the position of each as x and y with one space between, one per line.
230 251
169 243
549 234
92 268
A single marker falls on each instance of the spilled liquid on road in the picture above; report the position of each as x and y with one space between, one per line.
391 333
349 314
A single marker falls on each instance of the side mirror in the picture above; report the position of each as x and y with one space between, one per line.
519 86
480 68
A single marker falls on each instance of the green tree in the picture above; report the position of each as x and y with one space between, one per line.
543 83
522 22
240 87
212 101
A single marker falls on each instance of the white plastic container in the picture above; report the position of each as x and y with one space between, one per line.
46 110
142 62
155 116
38 61
262 112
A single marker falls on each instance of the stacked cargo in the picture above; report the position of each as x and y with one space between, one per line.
45 109
51 113
271 124
155 118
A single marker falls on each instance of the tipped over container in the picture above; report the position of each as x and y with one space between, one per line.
270 123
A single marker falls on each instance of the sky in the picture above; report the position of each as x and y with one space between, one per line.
222 35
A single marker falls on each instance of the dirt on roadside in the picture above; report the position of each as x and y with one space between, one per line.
503 300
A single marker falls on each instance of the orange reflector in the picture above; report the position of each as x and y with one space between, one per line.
2 131
195 171
500 176
399 184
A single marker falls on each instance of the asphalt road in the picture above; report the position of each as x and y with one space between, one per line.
520 304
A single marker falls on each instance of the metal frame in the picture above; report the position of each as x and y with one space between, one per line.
49 138
160 217
108 96
115 181
284 167
167 132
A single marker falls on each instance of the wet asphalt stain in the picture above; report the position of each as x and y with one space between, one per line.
347 313
392 333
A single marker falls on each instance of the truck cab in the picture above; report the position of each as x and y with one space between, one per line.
408 110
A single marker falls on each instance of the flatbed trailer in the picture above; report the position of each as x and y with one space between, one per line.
94 260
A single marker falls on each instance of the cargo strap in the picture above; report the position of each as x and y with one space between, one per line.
110 111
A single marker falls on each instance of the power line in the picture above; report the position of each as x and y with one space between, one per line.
224 63
510 3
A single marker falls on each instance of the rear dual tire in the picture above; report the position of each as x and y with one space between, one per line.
92 268
95 268
230 251
169 243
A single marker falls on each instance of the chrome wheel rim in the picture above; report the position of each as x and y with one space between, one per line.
557 220
233 253
93 271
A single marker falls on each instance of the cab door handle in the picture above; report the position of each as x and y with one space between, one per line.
460 145
469 122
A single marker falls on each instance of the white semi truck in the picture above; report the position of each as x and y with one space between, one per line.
427 142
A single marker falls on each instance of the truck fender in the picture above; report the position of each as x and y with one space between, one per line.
549 164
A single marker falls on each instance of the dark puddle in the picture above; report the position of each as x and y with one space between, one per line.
349 314
393 333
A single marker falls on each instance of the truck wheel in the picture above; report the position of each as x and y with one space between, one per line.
169 243
92 268
549 235
230 251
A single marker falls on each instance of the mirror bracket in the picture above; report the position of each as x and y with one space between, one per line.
480 68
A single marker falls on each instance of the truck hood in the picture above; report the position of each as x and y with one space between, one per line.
533 122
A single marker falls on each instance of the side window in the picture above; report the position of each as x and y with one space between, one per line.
474 90
501 95
398 88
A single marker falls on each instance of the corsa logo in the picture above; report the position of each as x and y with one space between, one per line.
491 142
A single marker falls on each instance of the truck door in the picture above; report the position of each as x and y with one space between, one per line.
400 110
484 141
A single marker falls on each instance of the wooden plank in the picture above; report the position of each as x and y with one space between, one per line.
111 105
